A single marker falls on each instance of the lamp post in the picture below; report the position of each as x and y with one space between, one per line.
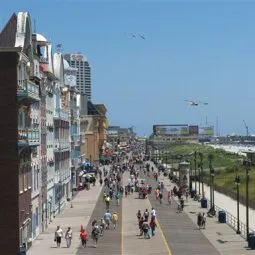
247 164
195 166
210 159
237 182
202 173
190 174
212 173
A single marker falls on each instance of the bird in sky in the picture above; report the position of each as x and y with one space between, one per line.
195 103
138 36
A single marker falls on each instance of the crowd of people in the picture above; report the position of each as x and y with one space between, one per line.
114 190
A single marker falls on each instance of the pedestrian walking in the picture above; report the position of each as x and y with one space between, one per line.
114 219
139 215
153 226
83 236
204 220
199 220
95 234
69 237
107 218
102 227
160 197
58 236
117 197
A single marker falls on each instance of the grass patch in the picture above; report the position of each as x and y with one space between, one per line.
221 159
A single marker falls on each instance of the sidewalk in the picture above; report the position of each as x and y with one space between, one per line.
132 243
83 206
221 236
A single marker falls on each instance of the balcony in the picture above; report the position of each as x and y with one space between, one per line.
61 114
28 137
76 162
61 145
27 90
76 140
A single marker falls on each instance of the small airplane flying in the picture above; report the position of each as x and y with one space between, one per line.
195 103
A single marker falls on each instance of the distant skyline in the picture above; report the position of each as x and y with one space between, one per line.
192 50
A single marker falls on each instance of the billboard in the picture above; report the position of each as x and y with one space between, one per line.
206 131
77 57
171 130
193 130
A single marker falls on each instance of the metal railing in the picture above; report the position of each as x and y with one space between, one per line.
29 135
61 114
29 88
231 220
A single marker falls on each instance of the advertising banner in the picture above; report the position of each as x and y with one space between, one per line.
206 131
171 130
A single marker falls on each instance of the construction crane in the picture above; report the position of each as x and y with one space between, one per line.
247 128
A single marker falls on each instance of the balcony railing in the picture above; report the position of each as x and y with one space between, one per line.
61 145
61 114
76 162
76 140
28 136
28 90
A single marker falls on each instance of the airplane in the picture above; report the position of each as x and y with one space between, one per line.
195 103
142 37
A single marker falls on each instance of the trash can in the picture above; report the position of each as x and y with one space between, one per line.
22 251
222 217
203 203
251 240
192 193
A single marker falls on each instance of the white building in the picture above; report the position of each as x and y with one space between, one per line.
44 50
36 174
83 82
62 148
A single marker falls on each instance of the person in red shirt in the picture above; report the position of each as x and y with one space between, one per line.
83 237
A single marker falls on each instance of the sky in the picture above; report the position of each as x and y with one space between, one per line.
193 50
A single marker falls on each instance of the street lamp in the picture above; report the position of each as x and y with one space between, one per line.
201 173
210 159
212 174
195 166
237 182
247 164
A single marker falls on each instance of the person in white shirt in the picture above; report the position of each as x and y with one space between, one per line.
68 237
153 213
58 236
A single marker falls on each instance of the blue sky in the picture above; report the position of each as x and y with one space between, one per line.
198 50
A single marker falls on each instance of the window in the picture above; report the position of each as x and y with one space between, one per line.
37 177
24 175
21 184
33 180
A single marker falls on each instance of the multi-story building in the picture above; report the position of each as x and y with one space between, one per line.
42 182
83 82
17 33
35 116
76 139
94 126
62 185
44 50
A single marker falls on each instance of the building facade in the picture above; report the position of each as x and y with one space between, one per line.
62 148
83 82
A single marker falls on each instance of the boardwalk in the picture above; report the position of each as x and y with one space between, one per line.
133 244
181 233
177 234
